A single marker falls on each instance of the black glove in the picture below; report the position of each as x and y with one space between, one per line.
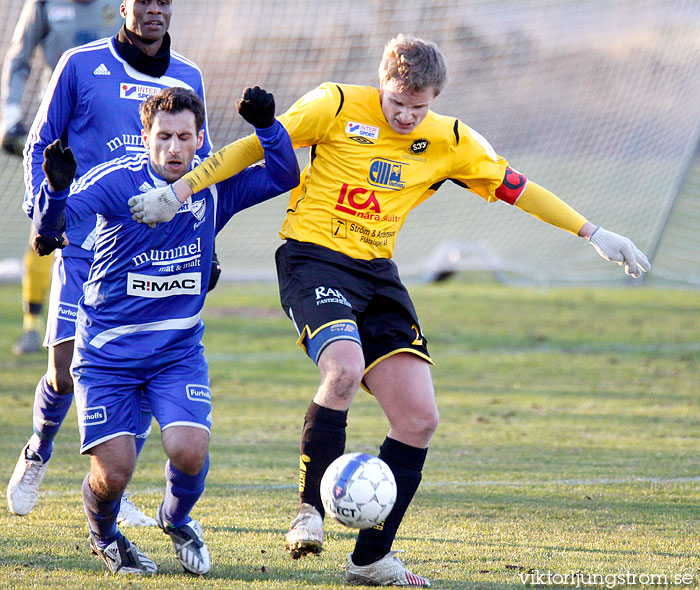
215 272
13 140
257 106
59 166
44 245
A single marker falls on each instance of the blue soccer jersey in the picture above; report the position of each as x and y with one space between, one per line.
92 105
147 285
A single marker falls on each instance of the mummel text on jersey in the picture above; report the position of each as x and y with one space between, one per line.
147 285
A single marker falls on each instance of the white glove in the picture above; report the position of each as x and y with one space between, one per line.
620 250
155 206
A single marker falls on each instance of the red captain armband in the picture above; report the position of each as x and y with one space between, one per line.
512 187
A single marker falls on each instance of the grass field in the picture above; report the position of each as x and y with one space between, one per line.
569 442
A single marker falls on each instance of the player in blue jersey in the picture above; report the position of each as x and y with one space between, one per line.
54 26
139 329
92 103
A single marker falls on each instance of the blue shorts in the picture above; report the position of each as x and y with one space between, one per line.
109 392
67 280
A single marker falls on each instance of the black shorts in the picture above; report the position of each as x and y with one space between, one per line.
330 296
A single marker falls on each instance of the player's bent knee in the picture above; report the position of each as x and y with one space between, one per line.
417 428
431 425
342 368
109 484
342 380
190 463
187 447
425 427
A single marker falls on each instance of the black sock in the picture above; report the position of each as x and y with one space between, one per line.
407 464
322 441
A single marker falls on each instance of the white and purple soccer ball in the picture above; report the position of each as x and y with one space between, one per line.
358 490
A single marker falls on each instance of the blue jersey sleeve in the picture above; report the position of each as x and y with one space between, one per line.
95 193
256 184
49 211
54 212
49 124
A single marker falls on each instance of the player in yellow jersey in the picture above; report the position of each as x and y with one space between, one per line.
375 154
36 278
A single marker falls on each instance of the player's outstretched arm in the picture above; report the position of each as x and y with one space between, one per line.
280 172
160 205
541 203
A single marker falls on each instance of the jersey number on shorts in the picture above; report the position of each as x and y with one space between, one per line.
418 341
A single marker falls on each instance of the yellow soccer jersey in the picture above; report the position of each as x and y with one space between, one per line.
364 178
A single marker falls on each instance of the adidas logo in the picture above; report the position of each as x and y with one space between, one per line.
145 187
101 70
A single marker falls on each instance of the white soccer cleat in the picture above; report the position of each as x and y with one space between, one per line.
123 557
27 343
23 489
388 571
191 551
305 533
130 515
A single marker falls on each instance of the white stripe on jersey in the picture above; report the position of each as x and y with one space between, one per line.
89 242
133 163
214 190
174 324
183 59
186 423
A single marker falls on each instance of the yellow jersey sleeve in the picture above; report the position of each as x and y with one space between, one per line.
309 119
476 164
546 206
229 160
306 122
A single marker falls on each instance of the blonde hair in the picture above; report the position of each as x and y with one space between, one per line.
414 64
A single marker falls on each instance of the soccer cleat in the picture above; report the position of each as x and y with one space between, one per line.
388 571
305 533
191 551
130 515
123 557
27 343
23 489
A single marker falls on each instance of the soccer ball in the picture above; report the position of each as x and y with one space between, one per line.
358 490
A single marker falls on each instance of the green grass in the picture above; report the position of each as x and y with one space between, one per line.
569 441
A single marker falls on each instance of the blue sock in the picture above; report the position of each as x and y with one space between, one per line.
101 514
181 493
50 409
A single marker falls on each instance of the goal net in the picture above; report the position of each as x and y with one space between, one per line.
597 101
